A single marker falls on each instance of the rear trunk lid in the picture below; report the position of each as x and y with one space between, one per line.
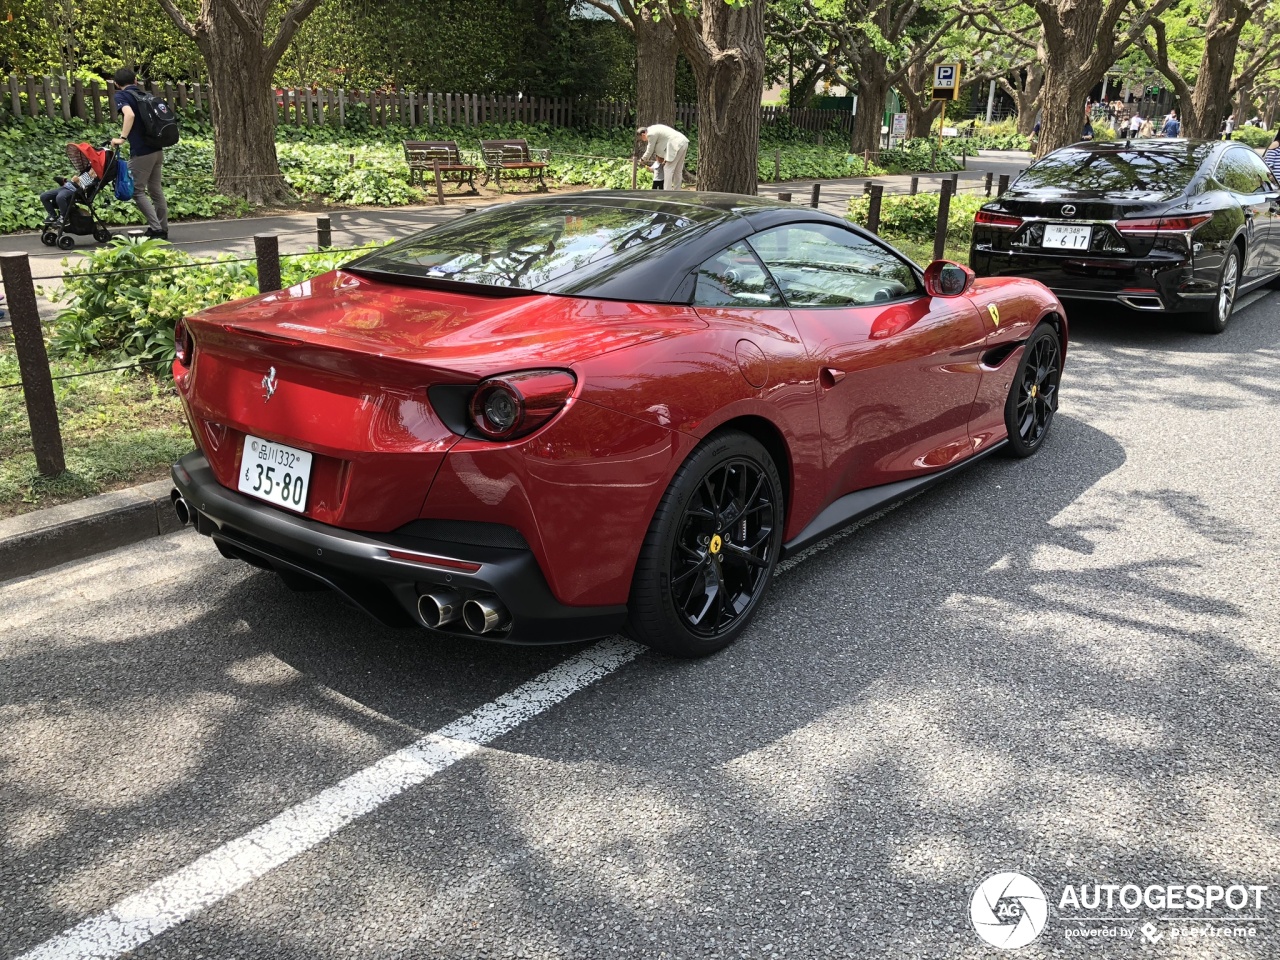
340 365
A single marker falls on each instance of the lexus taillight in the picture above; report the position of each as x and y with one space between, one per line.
514 404
1163 224
184 347
988 218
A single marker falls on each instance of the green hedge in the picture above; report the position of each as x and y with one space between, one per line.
1255 137
129 316
916 217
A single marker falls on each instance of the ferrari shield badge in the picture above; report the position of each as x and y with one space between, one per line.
995 313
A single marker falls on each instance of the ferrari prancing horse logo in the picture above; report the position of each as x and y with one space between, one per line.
995 313
269 383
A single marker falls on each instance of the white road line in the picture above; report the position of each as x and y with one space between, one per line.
168 902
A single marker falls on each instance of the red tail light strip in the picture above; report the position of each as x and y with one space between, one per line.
988 219
427 560
1165 224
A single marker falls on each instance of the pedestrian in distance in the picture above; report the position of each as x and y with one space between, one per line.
657 174
1171 126
1272 157
1228 127
1087 133
669 147
1135 125
146 162
1147 130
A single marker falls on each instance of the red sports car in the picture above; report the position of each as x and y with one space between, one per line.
555 419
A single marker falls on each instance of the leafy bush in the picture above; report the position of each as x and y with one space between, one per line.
131 315
919 155
916 217
1256 137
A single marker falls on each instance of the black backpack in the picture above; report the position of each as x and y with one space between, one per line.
159 123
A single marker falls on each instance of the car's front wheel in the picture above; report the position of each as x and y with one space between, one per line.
1033 398
711 549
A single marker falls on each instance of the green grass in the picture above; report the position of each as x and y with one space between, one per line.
118 429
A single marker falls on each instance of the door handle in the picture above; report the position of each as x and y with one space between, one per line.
830 376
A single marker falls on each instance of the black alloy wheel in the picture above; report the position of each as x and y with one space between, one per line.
711 549
1033 398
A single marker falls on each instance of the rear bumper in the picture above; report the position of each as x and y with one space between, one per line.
361 567
1156 284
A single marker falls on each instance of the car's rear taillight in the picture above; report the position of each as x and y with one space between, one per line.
514 404
184 347
988 218
1163 224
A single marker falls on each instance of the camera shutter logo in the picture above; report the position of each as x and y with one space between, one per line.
1008 910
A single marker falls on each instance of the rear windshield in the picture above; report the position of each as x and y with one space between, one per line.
1116 171
523 246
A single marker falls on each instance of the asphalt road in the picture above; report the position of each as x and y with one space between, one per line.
1064 666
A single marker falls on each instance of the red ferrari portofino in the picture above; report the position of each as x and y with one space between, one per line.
555 419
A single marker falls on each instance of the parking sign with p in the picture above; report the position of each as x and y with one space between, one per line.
946 81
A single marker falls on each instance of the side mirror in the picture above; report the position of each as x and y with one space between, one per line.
946 279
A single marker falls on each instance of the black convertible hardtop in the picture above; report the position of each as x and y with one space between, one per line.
617 245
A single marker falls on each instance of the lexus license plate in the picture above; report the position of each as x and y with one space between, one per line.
1066 236
275 473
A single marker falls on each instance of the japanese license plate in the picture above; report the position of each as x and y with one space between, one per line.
275 473
1065 236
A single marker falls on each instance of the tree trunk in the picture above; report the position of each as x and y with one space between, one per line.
921 110
1211 98
873 90
656 50
1062 101
725 48
1026 98
242 106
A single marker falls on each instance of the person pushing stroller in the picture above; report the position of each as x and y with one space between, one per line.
89 165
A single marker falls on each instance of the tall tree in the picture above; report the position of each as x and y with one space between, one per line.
232 36
1206 102
656 52
876 43
1082 39
723 40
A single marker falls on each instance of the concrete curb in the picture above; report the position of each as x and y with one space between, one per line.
45 538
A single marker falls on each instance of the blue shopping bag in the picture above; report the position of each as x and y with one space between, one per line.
124 180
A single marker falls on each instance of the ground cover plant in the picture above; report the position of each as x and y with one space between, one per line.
361 165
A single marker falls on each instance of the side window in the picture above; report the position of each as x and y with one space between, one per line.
823 265
1236 173
1257 170
734 278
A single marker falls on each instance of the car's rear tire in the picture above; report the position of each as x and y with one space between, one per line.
1215 320
711 548
1033 397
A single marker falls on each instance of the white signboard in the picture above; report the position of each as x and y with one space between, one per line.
899 128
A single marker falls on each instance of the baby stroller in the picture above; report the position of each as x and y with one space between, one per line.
83 216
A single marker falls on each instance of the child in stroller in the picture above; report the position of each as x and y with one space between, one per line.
70 205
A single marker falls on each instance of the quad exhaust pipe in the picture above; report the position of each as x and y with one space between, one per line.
480 615
484 615
439 609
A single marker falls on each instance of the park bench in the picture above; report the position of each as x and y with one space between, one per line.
512 159
423 155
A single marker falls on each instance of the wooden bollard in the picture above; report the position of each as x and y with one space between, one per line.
266 247
873 209
813 200
33 363
944 212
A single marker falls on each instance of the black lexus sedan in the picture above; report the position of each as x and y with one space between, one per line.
1179 226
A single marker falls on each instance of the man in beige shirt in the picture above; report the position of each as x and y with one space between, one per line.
669 146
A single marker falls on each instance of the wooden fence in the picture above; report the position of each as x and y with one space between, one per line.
65 98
